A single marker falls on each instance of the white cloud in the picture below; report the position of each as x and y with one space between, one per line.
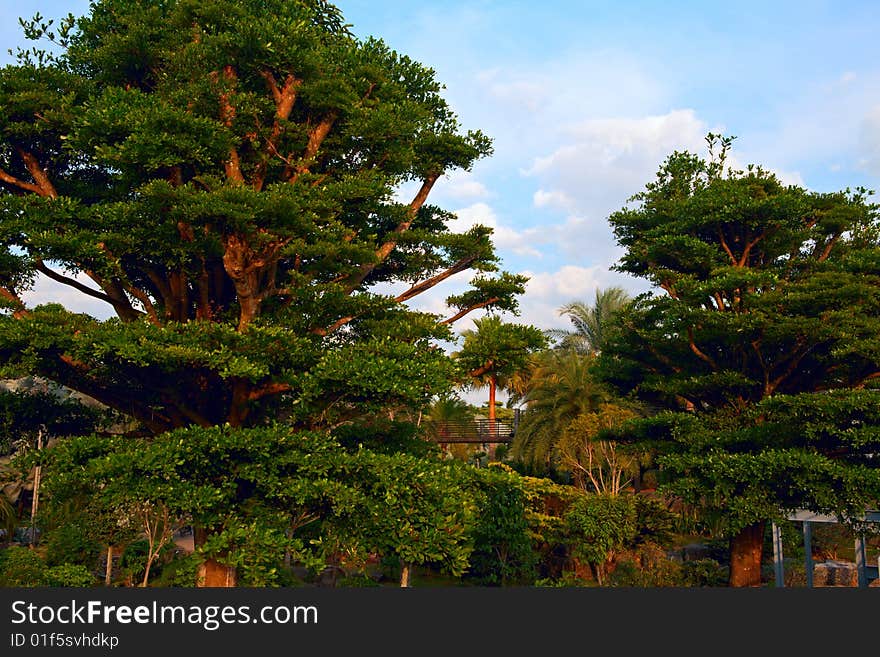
503 236
555 199
45 290
604 162
607 160
869 149
460 184
547 291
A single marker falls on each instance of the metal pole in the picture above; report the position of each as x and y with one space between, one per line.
808 552
777 556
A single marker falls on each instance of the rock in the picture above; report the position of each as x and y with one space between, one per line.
330 575
695 552
675 555
835 573
301 573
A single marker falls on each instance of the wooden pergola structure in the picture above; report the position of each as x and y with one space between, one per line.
866 572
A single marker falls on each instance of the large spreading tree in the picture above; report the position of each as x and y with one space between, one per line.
225 176
228 177
763 348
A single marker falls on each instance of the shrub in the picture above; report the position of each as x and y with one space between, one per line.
20 566
655 523
70 544
703 572
69 575
503 552
646 566
600 525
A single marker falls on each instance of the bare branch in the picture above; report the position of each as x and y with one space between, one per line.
15 182
699 353
427 284
457 316
9 295
47 189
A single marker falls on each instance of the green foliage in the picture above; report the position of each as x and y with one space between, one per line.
386 436
8 518
646 566
503 552
264 493
71 543
591 323
600 525
703 573
416 509
179 572
69 575
495 349
21 566
561 388
133 560
24 412
655 522
227 178
762 352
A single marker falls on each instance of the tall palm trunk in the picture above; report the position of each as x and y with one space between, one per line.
493 382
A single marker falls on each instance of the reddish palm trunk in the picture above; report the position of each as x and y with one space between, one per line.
745 556
492 385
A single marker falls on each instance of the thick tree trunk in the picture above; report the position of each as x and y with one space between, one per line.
213 574
745 556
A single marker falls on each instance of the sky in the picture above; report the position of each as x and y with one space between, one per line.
584 100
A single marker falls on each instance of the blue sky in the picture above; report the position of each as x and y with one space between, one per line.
585 99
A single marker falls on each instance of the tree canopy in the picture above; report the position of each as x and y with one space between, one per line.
228 178
763 348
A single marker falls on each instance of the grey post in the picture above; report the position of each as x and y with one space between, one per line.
808 552
861 562
777 556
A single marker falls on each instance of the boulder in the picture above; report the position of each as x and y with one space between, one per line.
835 573
695 552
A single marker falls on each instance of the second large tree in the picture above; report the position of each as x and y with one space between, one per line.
763 348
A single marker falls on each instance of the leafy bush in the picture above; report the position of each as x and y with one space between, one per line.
70 544
646 566
704 572
600 525
69 575
20 566
180 572
503 551
655 523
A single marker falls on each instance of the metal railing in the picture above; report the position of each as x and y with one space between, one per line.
473 431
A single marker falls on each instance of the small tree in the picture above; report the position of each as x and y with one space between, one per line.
494 350
601 466
561 388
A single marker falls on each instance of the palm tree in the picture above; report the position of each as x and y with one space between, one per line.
561 388
494 351
590 322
